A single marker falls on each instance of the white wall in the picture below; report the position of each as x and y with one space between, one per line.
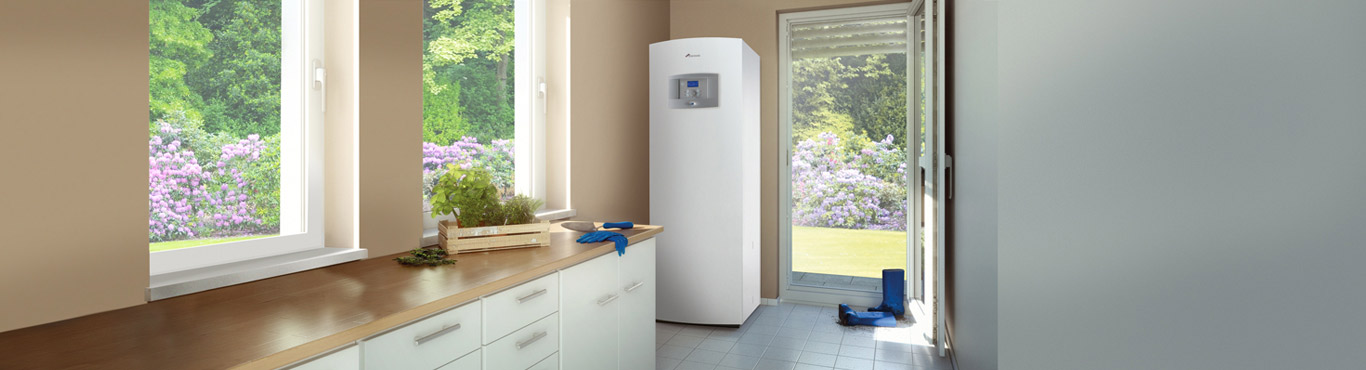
973 124
1182 184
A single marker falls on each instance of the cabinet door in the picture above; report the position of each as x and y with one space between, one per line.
588 312
637 287
346 359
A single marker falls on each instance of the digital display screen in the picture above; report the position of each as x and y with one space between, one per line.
692 83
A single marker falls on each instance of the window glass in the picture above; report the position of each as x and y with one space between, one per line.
468 118
214 121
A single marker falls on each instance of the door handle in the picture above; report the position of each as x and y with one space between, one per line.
429 337
635 286
537 293
533 339
607 300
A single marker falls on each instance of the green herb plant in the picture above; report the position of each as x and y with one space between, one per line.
426 257
471 196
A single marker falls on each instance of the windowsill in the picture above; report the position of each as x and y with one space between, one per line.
180 283
429 235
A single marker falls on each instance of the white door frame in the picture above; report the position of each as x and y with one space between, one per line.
806 294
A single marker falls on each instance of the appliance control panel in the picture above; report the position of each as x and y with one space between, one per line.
694 90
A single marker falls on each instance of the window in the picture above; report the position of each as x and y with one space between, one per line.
483 92
234 154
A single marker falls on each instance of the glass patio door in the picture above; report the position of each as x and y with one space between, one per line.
849 107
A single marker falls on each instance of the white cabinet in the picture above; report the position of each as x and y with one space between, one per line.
608 310
524 348
637 306
589 310
345 359
427 343
472 361
516 307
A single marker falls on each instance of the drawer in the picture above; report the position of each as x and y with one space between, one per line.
345 359
549 363
472 361
516 307
427 343
525 347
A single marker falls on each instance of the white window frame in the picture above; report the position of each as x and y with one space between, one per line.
529 98
301 154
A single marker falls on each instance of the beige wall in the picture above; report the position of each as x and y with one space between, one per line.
390 125
339 201
73 209
755 21
609 118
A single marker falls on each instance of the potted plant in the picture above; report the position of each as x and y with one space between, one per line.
482 220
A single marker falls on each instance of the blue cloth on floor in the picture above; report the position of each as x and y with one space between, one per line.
598 236
893 292
850 317
619 225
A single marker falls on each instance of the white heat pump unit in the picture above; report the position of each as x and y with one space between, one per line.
704 179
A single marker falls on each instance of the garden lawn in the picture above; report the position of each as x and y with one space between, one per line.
847 252
177 244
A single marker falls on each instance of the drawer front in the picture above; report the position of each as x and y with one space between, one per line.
346 359
427 343
472 361
525 347
516 307
549 363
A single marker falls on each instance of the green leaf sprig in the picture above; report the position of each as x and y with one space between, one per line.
426 257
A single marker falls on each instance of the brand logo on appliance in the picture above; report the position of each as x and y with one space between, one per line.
691 55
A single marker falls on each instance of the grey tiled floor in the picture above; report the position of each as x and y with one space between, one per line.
795 337
837 281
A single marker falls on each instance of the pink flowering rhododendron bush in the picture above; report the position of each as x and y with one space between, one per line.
466 153
849 184
210 185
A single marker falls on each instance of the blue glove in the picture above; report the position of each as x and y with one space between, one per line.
618 225
598 236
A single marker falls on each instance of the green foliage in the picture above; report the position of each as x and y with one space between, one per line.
468 194
441 120
241 86
867 90
426 257
521 209
469 48
264 175
178 44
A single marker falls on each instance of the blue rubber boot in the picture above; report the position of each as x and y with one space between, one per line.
893 292
850 317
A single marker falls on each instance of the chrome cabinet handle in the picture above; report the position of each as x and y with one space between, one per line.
533 339
534 294
607 300
429 337
634 287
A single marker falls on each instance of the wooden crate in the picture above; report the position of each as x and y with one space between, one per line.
491 238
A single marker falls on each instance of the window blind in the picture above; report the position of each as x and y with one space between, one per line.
848 38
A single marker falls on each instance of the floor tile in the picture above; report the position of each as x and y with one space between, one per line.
857 352
883 365
789 343
674 352
747 349
814 358
688 365
801 366
893 356
685 340
739 361
783 354
774 365
820 347
752 338
850 363
718 345
665 363
705 356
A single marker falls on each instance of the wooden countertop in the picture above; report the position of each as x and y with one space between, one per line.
271 323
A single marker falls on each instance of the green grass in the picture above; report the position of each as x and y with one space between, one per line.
177 244
847 252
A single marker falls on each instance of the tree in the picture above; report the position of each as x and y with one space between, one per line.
441 121
241 87
178 45
469 46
